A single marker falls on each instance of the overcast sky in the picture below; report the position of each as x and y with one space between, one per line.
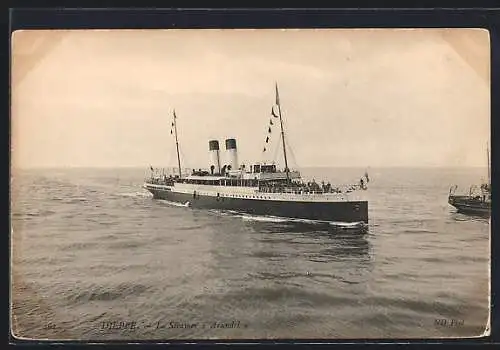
367 98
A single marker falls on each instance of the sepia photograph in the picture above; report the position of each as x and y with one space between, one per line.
246 184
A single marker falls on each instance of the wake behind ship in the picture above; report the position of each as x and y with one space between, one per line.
260 189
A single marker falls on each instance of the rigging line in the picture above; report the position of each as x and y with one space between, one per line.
165 166
267 147
291 153
265 154
185 160
276 150
170 167
188 166
289 147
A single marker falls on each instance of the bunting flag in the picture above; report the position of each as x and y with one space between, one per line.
269 130
272 112
366 175
267 139
171 131
175 117
270 121
264 149
151 167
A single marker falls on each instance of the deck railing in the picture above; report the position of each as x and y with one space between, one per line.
307 190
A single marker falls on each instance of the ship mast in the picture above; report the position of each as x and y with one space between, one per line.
488 160
177 145
282 133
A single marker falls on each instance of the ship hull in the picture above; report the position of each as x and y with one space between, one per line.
470 206
336 211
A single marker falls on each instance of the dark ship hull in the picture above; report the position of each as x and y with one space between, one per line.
470 205
333 211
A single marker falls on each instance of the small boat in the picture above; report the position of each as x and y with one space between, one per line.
260 188
477 201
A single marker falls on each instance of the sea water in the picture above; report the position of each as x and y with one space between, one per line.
94 257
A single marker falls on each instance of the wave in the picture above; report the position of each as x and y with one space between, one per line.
264 218
98 293
279 219
73 200
32 214
347 225
76 246
471 218
175 204
126 244
140 194
281 293
426 306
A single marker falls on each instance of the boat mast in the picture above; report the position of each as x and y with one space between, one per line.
282 134
488 160
177 145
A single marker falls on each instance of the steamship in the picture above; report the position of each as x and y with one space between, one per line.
260 188
477 201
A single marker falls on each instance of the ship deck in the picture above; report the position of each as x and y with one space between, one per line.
241 192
